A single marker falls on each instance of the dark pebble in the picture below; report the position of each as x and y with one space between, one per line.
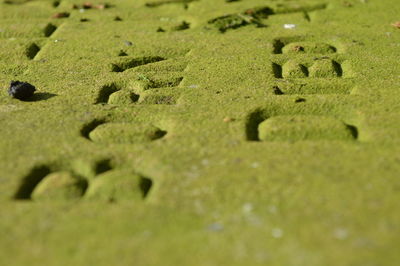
21 90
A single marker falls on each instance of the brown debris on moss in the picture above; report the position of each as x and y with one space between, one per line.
61 15
396 24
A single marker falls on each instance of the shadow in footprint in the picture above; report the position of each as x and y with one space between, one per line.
32 50
87 128
49 30
30 181
145 184
41 96
103 166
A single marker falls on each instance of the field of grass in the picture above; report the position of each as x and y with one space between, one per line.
200 132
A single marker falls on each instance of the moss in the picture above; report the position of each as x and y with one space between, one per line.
309 47
116 186
284 182
297 128
325 69
293 69
151 98
59 186
125 133
127 62
230 22
182 26
123 97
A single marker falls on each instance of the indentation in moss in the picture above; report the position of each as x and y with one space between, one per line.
166 2
30 181
119 133
105 92
49 30
277 70
87 128
127 63
32 50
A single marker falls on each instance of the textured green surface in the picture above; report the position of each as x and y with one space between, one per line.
201 133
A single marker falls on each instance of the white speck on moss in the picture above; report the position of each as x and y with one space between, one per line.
128 43
247 208
9 108
147 233
340 233
215 227
272 209
205 162
289 26
277 233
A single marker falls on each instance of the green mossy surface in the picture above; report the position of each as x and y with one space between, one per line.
125 133
59 186
219 195
298 128
306 47
294 69
325 69
114 186
123 97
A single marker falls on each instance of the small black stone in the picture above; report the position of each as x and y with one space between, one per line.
21 90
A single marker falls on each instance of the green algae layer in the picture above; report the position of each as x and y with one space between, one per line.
202 132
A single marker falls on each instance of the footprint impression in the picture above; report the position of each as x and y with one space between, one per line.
306 67
100 182
258 16
303 67
151 80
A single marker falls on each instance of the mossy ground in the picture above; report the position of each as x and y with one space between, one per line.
218 195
